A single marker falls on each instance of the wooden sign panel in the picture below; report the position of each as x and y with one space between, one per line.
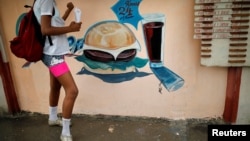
223 28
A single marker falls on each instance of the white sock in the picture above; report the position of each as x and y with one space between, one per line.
53 113
66 128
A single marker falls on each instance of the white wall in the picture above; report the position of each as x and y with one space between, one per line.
243 116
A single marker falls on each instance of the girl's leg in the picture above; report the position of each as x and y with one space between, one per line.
71 92
54 94
55 87
61 76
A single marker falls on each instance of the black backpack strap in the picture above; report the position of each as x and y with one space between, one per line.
34 2
50 40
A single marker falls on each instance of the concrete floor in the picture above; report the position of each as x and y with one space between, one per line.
34 127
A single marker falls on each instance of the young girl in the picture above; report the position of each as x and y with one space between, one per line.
60 76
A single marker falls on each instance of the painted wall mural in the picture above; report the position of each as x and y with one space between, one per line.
109 48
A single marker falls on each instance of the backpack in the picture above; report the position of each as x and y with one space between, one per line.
29 42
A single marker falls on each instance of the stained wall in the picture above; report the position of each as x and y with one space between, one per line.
203 94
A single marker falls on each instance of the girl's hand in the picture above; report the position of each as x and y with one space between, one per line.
75 26
70 6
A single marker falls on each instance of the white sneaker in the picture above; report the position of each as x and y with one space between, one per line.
66 138
57 122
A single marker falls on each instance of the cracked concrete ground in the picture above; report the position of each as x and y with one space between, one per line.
34 127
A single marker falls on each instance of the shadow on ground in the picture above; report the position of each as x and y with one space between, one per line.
33 127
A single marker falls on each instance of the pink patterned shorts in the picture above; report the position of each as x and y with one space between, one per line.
56 64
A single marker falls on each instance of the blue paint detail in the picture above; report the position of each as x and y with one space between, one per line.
115 78
79 44
127 11
18 22
136 62
71 40
170 80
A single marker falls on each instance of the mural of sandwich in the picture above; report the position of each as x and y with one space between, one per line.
110 47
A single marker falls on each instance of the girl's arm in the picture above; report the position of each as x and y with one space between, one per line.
70 7
48 29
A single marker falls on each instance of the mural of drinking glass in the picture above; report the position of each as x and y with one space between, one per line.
153 25
154 35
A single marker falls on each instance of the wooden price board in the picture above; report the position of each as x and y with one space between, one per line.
223 28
